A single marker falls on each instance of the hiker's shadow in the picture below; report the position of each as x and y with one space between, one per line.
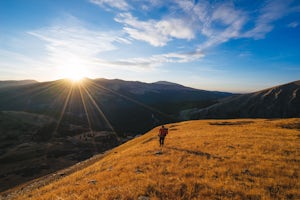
198 153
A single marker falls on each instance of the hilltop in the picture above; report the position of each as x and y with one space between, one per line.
204 159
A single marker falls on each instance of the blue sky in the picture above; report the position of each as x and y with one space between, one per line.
237 45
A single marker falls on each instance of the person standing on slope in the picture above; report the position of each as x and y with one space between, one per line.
163 132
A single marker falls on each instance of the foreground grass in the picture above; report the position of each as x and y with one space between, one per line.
207 159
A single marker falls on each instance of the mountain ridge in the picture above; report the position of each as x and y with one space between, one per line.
282 101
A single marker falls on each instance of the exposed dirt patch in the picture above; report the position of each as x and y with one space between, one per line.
149 140
291 126
225 123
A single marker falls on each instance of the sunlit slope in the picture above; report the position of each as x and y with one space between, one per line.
208 159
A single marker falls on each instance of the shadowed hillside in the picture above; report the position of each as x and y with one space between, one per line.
208 159
30 148
278 102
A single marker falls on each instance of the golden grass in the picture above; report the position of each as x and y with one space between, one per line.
206 159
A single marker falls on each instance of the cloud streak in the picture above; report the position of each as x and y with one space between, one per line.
157 33
269 13
156 60
293 24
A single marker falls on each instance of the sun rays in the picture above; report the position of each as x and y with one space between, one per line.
83 104
84 99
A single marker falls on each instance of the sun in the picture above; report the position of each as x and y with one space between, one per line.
74 73
75 77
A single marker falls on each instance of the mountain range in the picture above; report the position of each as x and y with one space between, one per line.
277 102
46 126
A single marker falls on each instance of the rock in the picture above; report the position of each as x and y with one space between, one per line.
138 171
143 198
246 171
62 174
92 182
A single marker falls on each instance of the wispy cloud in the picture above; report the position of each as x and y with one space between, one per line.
293 24
245 54
157 33
220 24
119 4
156 60
269 13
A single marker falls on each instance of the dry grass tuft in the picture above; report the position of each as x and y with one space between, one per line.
207 159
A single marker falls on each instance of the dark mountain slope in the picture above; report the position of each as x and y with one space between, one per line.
130 107
277 102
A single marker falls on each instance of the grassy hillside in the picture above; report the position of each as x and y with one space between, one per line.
207 159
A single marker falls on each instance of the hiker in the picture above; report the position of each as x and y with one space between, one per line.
163 132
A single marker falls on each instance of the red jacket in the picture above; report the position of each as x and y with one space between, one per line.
163 132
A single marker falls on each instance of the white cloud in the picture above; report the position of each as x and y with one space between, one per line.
217 23
119 4
157 33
